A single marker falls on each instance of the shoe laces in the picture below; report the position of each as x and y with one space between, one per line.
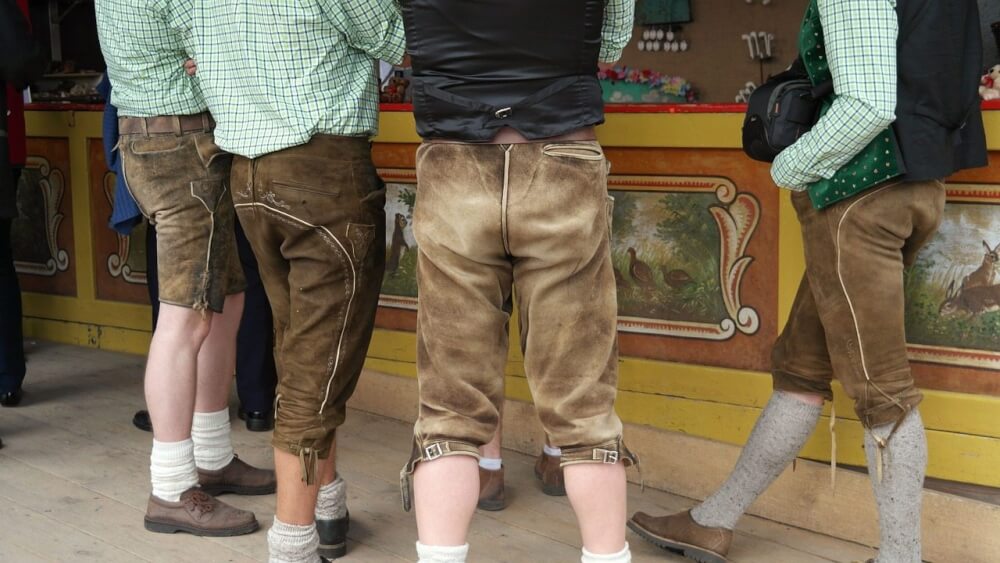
200 502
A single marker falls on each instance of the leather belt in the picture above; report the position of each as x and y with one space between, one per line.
163 124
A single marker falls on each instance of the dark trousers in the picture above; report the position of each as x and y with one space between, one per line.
11 337
256 376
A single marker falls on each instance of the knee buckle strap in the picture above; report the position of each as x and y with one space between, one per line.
608 453
423 451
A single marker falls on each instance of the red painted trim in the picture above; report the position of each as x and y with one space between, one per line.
396 107
675 108
991 105
62 106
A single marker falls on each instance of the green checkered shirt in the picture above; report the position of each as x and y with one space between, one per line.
861 49
278 72
619 16
145 44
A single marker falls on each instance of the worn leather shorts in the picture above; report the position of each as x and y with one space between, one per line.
847 321
181 183
315 217
532 220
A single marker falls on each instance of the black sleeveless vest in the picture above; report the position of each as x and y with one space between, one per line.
526 64
938 119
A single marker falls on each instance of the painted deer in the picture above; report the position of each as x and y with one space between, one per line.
972 301
986 274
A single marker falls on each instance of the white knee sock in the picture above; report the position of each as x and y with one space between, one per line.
491 463
331 503
171 469
899 494
623 556
289 543
213 444
442 554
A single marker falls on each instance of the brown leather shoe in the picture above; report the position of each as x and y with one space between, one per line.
550 474
198 513
680 533
238 478
491 491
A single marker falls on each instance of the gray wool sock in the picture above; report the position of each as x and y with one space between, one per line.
331 502
289 543
779 434
899 494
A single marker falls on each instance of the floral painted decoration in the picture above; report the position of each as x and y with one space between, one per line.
661 87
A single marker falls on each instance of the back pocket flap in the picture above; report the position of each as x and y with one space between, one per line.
361 238
209 192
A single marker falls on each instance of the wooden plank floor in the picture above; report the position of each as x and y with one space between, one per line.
74 480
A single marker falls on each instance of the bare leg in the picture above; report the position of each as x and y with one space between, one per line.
171 371
807 398
492 450
296 500
597 492
217 359
328 467
445 494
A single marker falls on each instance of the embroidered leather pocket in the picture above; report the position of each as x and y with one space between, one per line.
584 150
361 238
208 151
209 193
159 144
301 187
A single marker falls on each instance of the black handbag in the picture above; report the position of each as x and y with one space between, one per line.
780 111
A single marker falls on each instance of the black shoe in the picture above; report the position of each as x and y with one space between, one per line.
333 537
142 422
11 398
257 421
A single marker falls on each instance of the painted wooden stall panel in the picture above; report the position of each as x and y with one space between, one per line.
42 237
119 261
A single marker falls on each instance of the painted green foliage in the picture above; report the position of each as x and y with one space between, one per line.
966 319
672 270
674 274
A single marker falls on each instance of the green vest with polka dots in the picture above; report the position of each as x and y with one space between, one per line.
879 162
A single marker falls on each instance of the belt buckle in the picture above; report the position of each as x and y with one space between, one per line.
609 457
503 113
433 452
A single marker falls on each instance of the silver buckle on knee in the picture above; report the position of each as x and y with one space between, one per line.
434 451
606 456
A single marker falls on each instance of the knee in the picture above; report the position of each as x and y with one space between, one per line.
183 328
198 331
813 391
233 308
300 426
885 399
